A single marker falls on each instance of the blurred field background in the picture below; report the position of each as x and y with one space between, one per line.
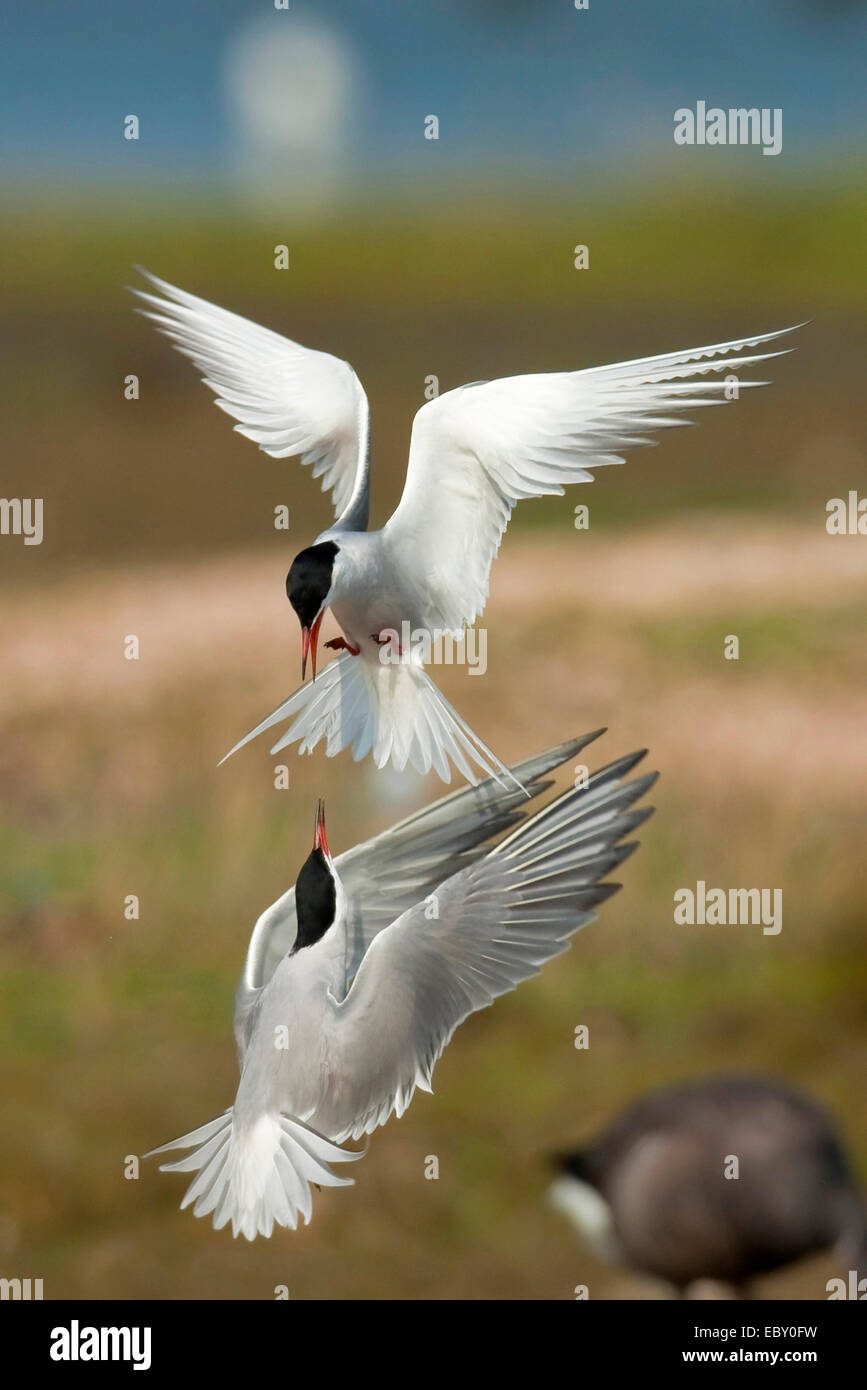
115 1035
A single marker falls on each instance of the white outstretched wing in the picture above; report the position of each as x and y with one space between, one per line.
494 925
387 874
289 399
476 451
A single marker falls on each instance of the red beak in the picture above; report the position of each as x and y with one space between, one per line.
309 643
319 840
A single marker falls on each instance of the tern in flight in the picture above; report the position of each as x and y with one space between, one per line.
356 978
474 453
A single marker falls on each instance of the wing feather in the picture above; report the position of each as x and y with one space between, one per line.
492 925
290 400
479 450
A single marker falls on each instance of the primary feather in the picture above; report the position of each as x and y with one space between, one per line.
290 400
478 450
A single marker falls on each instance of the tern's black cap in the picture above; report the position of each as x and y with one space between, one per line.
315 900
309 580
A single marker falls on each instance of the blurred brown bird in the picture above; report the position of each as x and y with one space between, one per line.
722 1179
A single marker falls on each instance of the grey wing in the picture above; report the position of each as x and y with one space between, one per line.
384 876
490 926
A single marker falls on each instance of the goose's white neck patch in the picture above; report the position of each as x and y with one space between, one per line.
589 1213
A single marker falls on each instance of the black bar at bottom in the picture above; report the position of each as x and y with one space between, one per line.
252 1338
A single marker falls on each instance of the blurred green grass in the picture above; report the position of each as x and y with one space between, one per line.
693 238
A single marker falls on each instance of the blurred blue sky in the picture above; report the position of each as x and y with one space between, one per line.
515 83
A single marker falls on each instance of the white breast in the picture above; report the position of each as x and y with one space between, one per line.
286 1065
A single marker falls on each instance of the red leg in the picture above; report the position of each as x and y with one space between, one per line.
340 644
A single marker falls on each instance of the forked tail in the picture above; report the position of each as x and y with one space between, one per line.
257 1175
394 712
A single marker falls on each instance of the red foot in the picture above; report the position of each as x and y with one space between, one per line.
340 644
